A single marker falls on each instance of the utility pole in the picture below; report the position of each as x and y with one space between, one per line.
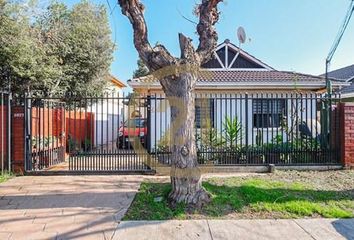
336 43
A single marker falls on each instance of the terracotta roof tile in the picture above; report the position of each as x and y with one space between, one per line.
257 76
227 76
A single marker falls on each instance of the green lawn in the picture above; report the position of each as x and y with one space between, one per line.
246 198
4 177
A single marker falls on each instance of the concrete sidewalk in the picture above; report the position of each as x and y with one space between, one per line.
64 207
301 229
91 207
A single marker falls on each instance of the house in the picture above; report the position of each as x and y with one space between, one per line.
108 113
344 74
236 85
114 85
234 70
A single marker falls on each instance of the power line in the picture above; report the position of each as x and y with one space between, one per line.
109 5
337 41
112 16
341 31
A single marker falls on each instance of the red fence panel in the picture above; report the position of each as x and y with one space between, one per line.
80 129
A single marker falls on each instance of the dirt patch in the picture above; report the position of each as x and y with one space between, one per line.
321 180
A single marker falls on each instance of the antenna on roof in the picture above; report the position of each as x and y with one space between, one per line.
241 35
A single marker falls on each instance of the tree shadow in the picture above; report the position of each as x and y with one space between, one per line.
96 213
67 207
345 227
110 200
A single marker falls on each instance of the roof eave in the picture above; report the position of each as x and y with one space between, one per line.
116 82
240 86
347 95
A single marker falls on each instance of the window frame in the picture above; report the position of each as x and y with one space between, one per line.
200 108
271 123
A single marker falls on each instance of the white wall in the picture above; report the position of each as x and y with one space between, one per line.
235 105
160 120
108 115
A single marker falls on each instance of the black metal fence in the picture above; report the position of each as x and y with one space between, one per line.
112 134
5 131
256 129
44 133
130 133
106 133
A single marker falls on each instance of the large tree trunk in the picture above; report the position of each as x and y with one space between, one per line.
185 175
179 89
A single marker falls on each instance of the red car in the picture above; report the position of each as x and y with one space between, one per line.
132 128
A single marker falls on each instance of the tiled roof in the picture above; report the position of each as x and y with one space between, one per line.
348 89
345 73
242 76
257 76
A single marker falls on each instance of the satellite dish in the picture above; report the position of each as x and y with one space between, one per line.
241 35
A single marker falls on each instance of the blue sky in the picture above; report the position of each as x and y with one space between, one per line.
285 34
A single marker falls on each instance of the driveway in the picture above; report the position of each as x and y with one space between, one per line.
64 207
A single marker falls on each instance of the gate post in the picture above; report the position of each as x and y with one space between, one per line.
347 134
9 127
148 137
18 138
27 133
148 109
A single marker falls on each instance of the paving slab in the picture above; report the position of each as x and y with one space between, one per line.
5 235
257 229
91 207
328 228
65 207
237 229
163 230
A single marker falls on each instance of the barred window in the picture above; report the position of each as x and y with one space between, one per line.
204 112
268 112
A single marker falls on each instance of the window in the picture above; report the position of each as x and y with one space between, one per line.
268 113
204 113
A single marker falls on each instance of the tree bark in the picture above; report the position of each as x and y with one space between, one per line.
178 86
185 174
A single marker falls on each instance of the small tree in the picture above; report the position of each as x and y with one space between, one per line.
233 132
89 52
178 77
58 51
23 59
141 71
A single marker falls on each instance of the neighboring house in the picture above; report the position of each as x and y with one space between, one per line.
115 85
108 113
226 79
344 74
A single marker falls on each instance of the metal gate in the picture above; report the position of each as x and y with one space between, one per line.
44 133
91 134
109 133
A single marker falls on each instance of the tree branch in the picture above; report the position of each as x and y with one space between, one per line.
208 37
187 49
154 58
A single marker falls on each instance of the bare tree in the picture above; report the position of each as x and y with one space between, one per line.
179 87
